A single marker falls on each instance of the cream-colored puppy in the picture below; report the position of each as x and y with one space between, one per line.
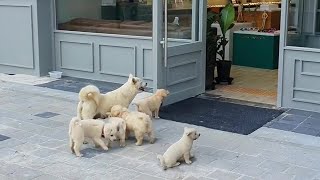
151 105
93 129
121 133
92 103
136 122
180 150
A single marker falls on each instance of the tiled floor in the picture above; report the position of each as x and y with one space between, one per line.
38 146
298 121
250 84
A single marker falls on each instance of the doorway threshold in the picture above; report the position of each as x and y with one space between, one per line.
237 101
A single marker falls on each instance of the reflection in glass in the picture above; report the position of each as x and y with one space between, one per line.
303 23
179 19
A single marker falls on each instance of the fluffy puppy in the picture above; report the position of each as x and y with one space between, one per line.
93 129
136 122
180 150
92 103
151 105
121 133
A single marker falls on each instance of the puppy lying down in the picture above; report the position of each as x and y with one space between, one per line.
93 129
180 150
136 122
151 105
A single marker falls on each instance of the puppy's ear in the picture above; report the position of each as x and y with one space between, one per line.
187 131
134 81
108 114
130 76
168 92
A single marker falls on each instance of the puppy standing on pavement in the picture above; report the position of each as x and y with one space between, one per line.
136 122
151 105
92 103
93 129
180 150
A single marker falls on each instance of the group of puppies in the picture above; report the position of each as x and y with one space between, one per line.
103 118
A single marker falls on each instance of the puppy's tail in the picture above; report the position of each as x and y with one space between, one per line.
162 162
90 92
79 110
74 122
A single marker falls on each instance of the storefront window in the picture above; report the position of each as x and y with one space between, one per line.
126 17
303 23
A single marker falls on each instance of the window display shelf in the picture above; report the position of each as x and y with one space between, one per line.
245 4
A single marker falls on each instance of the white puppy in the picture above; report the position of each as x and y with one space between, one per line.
93 129
121 133
136 122
151 105
92 103
180 150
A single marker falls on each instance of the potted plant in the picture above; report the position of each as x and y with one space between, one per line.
211 51
226 22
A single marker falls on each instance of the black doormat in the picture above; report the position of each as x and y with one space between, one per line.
215 114
72 84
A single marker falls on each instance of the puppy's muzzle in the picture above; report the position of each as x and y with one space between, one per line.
142 88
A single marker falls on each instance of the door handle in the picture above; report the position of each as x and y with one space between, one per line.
162 43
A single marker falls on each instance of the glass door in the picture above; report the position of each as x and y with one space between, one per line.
181 42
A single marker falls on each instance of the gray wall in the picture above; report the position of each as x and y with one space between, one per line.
45 33
107 58
69 9
25 36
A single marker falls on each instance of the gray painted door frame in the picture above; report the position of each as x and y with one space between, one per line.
181 69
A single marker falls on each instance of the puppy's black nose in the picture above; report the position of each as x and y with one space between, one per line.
146 83
199 134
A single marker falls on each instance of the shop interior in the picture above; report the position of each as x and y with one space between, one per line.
254 45
253 48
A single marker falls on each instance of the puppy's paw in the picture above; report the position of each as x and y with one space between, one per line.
138 143
79 155
152 140
189 162
122 144
106 148
157 117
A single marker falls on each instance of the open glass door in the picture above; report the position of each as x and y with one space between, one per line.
180 38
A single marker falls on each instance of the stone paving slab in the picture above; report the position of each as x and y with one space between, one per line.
38 147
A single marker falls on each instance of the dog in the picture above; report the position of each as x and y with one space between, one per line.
137 122
93 129
92 103
180 150
121 133
151 105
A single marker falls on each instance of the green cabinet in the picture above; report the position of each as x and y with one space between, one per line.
255 49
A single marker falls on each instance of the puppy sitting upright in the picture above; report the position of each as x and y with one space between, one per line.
180 150
151 105
136 122
121 133
94 129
